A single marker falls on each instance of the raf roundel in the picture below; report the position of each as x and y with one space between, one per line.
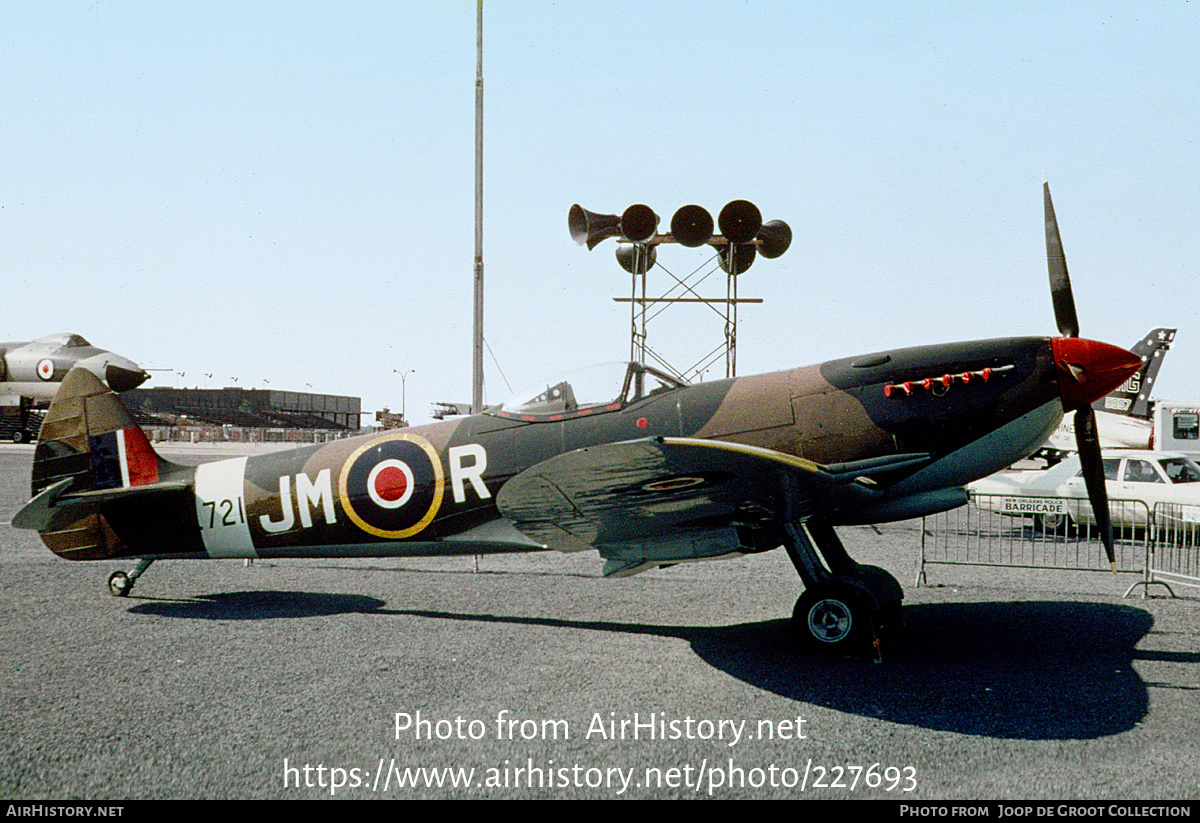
392 486
45 369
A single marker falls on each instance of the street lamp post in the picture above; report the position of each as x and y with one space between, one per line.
403 391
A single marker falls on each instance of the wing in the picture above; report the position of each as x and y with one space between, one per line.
660 500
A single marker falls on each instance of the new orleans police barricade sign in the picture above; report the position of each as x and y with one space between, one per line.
1032 505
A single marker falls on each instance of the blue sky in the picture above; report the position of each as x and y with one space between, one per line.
283 192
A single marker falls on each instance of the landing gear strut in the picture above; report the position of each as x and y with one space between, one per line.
846 607
120 583
21 433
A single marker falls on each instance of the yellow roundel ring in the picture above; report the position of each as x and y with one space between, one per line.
392 486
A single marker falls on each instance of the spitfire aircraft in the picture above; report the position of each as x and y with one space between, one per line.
31 372
625 460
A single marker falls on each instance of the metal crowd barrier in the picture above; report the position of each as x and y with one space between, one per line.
242 434
1175 552
1036 533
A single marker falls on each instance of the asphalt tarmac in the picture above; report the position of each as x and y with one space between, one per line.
533 677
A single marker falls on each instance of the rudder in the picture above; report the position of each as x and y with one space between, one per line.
91 440
1133 397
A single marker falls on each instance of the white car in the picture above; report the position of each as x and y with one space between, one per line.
1169 481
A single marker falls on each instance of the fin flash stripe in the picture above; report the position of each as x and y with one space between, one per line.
122 458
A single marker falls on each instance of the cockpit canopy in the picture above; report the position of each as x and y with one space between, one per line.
590 390
65 340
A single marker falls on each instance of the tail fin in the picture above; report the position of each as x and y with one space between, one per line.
90 452
1133 398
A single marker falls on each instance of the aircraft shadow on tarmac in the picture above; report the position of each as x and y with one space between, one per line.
1021 670
261 605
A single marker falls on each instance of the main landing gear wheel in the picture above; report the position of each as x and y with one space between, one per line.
19 436
119 584
832 618
846 607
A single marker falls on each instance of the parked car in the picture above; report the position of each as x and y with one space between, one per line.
1057 497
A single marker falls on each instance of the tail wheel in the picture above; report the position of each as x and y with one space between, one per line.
119 584
832 618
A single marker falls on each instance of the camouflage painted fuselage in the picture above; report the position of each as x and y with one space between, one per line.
968 409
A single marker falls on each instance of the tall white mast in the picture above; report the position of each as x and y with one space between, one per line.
477 375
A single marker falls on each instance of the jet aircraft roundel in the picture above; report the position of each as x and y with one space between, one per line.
392 487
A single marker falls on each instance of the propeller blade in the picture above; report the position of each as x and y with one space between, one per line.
1060 281
1087 439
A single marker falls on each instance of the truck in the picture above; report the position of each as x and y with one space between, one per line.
1176 426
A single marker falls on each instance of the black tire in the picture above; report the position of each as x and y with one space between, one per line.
19 436
1054 523
832 618
888 596
882 585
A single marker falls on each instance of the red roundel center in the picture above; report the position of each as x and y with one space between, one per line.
390 484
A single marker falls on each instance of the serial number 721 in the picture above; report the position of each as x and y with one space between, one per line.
229 515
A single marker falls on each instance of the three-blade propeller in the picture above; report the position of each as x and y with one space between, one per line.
1087 438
